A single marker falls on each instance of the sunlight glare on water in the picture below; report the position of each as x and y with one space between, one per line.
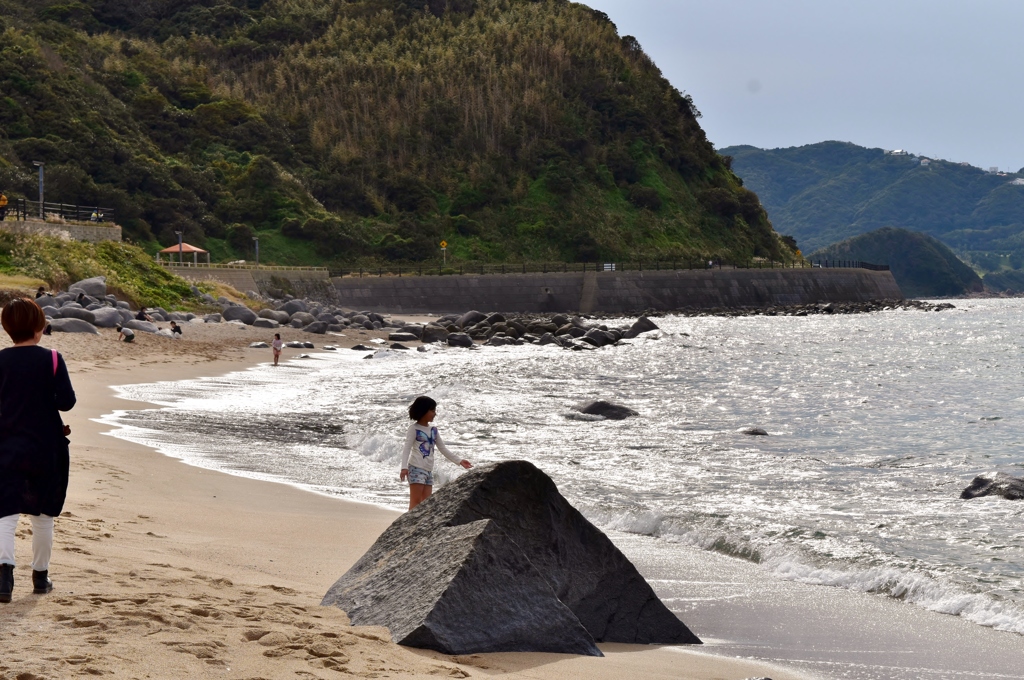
876 424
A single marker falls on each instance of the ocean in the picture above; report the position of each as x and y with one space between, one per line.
876 423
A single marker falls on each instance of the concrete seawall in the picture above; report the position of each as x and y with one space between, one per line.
299 282
615 292
93 233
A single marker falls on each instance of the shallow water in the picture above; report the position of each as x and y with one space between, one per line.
876 424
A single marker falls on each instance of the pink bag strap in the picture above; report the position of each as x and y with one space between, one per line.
54 353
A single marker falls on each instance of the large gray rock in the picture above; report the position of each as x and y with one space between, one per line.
303 318
46 301
95 287
144 326
402 337
318 327
107 317
68 312
51 312
239 313
293 306
276 315
607 409
470 318
459 340
72 326
499 561
641 325
265 323
434 334
1000 484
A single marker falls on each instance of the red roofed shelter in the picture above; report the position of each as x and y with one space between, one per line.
181 250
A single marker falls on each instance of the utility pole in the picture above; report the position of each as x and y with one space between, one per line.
181 260
256 240
40 165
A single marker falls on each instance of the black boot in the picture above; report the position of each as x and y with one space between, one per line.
41 584
6 582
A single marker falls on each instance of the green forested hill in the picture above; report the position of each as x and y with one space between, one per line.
921 265
338 130
827 192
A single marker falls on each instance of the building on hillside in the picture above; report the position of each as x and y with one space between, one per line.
926 161
1019 182
898 152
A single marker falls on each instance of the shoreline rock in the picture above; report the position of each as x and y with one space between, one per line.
498 560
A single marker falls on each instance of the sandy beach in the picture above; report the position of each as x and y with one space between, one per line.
163 570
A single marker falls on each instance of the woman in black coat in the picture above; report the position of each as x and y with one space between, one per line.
34 388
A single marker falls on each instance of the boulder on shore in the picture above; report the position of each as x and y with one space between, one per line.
755 431
239 313
144 326
72 326
95 287
1000 484
459 340
607 410
508 565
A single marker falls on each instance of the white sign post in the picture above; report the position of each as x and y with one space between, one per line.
444 252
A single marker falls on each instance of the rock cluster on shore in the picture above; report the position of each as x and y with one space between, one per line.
811 309
86 306
498 560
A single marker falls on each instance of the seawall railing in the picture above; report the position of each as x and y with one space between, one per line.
480 269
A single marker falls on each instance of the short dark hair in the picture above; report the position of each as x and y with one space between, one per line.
22 318
421 406
277 335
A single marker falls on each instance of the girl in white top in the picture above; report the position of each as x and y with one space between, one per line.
277 345
418 453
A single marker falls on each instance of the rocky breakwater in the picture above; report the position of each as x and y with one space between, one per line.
813 309
499 561
308 315
495 330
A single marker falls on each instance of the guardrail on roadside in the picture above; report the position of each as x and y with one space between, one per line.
260 267
581 267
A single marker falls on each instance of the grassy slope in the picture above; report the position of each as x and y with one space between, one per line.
366 129
27 261
823 193
921 265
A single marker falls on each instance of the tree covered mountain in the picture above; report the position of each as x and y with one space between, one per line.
827 192
340 130
921 264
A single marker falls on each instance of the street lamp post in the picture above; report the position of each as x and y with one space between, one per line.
40 165
256 240
181 260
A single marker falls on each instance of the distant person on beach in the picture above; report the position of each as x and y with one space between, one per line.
40 292
175 330
34 460
125 334
277 345
418 454
142 316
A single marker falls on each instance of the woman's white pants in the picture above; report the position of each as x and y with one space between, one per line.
42 540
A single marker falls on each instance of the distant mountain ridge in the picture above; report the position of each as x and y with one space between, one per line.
921 265
827 192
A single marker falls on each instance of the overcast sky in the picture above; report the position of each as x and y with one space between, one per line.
940 78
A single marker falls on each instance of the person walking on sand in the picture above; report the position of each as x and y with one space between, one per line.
418 453
34 459
277 345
